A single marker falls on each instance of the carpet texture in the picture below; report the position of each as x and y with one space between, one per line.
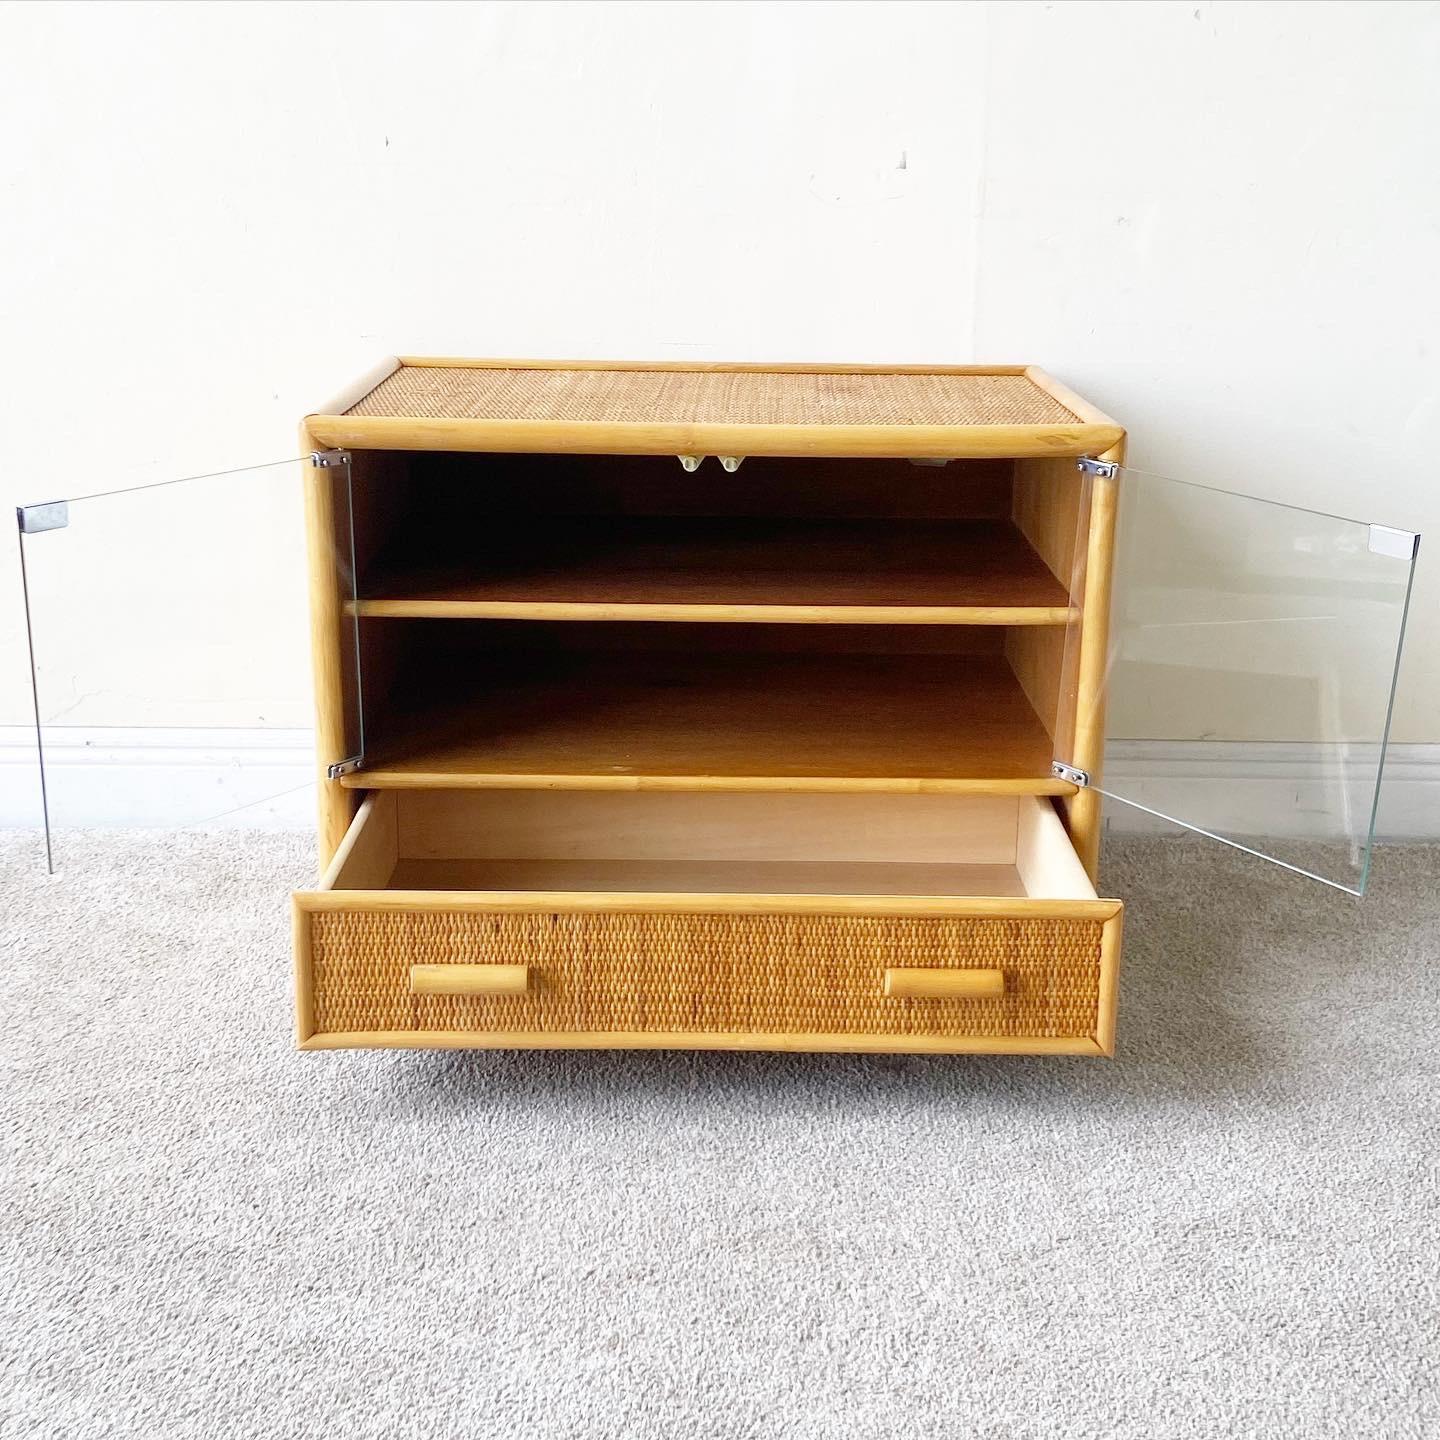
1227 1231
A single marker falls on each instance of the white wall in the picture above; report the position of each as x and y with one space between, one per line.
1220 222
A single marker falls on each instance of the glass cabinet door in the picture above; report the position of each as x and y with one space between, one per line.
1245 690
169 639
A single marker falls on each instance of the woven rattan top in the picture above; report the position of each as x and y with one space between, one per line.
711 397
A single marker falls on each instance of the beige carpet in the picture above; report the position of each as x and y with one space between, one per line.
1228 1231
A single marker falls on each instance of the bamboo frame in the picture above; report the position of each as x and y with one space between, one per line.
656 902
380 778
1083 807
335 808
1095 431
594 437
1111 937
1075 404
781 1042
712 367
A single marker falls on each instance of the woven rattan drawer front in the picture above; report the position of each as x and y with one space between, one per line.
728 980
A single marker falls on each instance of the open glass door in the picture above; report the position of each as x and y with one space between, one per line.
169 646
1245 689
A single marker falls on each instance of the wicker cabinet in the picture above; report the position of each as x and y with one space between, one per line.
727 706
707 707
738 706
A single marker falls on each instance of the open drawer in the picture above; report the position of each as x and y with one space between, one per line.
707 921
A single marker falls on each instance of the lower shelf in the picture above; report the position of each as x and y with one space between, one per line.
847 960
935 722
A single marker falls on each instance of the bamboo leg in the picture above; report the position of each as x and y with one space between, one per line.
328 634
1083 809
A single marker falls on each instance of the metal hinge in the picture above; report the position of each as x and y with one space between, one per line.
329 459
1061 771
344 767
1106 469
32 519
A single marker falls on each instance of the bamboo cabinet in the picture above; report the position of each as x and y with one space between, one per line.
730 707
707 707
754 707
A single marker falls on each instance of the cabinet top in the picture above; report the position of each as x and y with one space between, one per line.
683 408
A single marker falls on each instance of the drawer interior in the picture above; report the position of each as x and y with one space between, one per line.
709 843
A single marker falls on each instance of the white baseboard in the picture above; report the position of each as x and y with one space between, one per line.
167 778
264 779
1282 789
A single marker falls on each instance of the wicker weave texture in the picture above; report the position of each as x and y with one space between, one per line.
737 974
696 397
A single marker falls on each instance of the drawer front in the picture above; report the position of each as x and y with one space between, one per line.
744 980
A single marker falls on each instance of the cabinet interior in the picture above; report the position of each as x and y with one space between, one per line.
619 622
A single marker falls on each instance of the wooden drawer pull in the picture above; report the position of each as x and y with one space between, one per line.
469 979
944 984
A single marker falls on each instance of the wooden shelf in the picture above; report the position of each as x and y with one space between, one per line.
721 721
971 572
